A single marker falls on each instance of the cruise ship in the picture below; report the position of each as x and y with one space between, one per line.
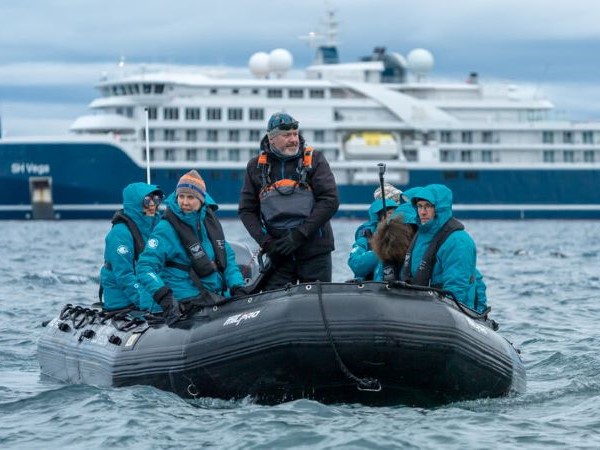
505 153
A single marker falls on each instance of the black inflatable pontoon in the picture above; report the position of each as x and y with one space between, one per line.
371 343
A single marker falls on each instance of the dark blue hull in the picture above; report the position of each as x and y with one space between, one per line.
86 180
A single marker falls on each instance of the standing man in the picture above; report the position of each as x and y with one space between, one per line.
287 200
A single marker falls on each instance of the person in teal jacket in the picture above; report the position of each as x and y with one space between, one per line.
131 228
172 272
443 254
362 260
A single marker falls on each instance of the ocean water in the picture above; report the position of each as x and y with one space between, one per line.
543 285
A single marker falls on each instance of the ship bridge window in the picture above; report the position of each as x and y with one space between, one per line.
339 93
257 114
159 88
588 137
316 93
152 113
192 113
548 137
213 113
122 90
147 88
171 113
274 93
296 93
235 114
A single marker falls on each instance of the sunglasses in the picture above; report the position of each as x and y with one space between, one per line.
152 199
287 126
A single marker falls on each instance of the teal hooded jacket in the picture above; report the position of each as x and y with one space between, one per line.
164 245
455 267
120 285
362 260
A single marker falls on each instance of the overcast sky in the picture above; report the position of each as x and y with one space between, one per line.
52 52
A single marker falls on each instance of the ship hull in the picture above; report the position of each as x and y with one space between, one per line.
84 180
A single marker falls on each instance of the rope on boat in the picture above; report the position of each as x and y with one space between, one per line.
362 384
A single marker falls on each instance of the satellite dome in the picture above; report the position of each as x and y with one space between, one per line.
400 60
260 64
420 62
281 61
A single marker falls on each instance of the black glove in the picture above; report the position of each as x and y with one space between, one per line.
239 291
289 243
170 306
268 247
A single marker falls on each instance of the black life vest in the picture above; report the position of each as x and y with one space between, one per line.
201 265
425 269
286 203
138 240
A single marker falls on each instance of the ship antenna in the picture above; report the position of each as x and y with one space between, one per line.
381 184
147 149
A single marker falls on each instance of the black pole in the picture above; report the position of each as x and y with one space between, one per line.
381 173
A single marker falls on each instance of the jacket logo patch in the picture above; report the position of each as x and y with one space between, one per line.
152 243
122 250
197 251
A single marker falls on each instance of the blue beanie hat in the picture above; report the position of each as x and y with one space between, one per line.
279 123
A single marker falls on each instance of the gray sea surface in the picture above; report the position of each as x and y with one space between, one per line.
543 282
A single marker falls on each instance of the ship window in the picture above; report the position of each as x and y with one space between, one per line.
447 156
588 156
115 90
214 92
548 137
316 93
234 135
212 135
274 93
122 89
465 156
548 156
450 174
235 91
152 152
136 88
471 175
159 88
255 91
338 116
567 137
254 135
411 155
296 93
169 135
147 88
486 156
486 137
169 154
171 114
129 111
467 137
588 137
191 135
319 136
191 154
152 113
234 154
569 156
446 137
235 113
212 154
256 114
129 89
192 113
213 113
339 93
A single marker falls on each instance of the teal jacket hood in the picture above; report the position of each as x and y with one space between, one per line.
407 210
133 197
441 198
377 206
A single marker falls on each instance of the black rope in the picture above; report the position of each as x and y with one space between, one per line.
362 384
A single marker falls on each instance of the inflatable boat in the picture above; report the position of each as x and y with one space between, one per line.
372 343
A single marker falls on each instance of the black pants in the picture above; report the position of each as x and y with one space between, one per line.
290 270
